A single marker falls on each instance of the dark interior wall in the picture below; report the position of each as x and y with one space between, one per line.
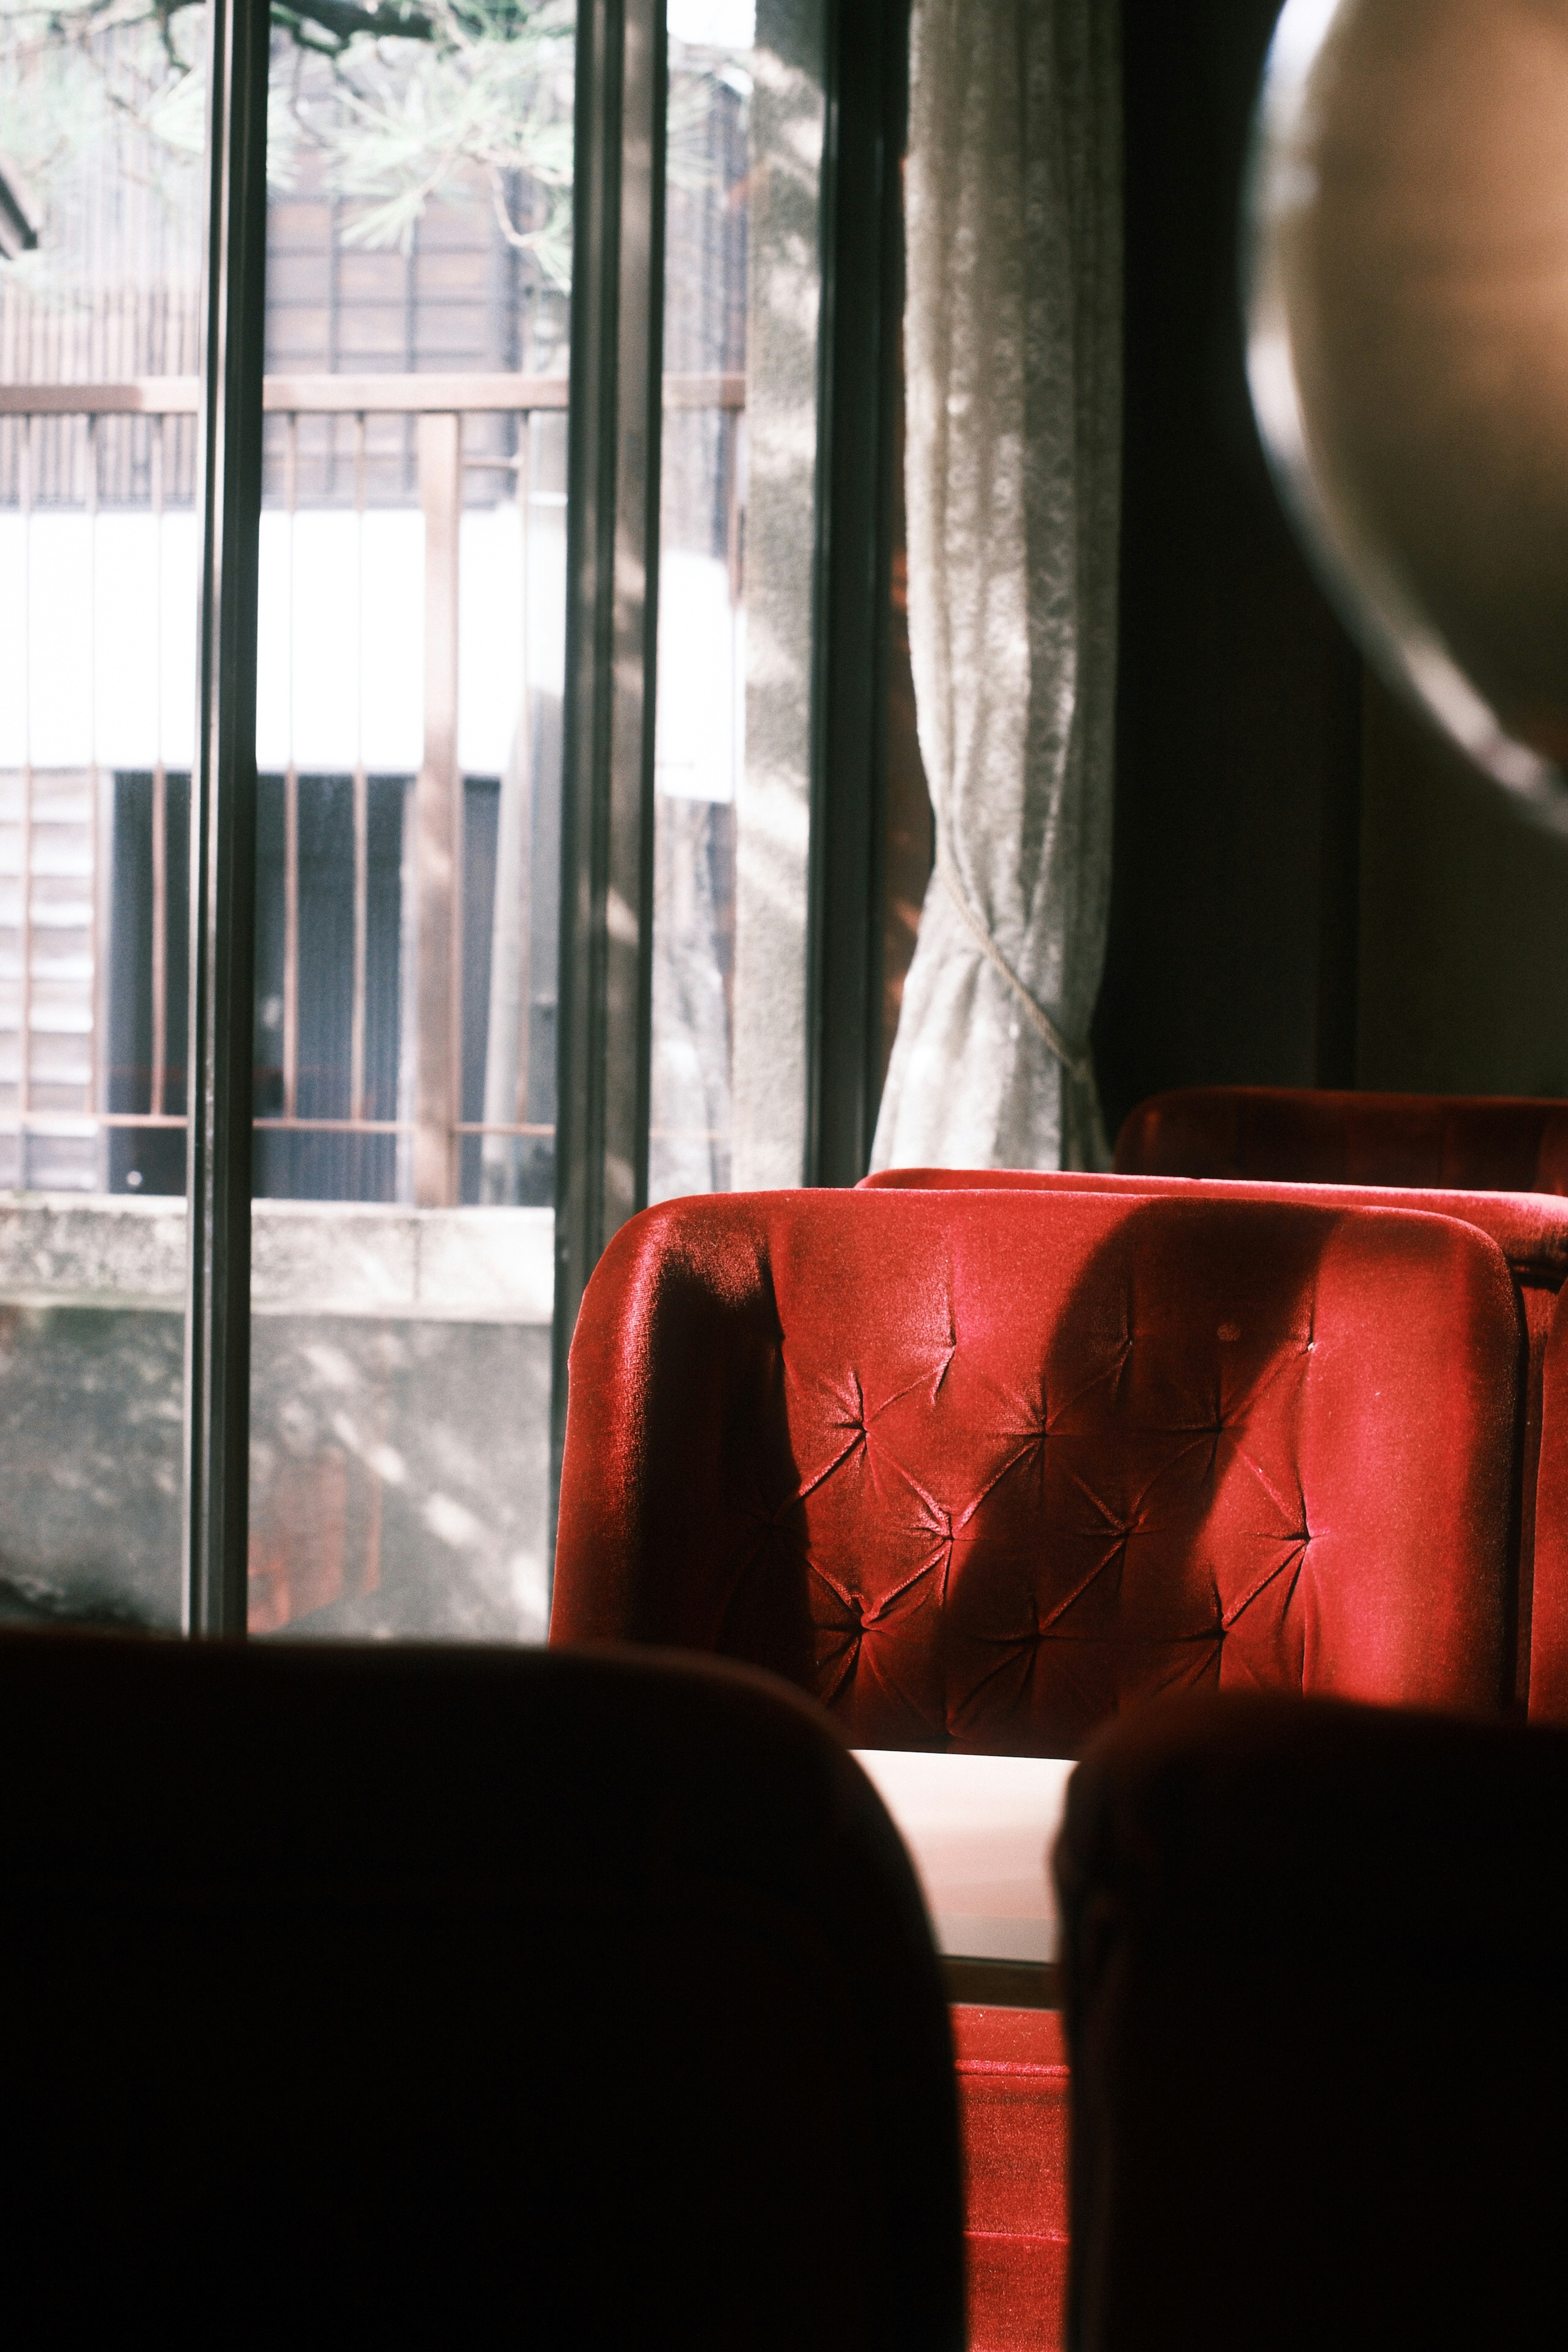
1232 951
1464 924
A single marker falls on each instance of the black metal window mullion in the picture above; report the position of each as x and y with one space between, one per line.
612 589
862 298
223 827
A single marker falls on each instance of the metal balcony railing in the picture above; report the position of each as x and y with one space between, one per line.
92 449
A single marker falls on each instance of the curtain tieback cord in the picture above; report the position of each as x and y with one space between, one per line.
1077 1065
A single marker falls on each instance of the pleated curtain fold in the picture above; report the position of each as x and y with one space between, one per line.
1013 355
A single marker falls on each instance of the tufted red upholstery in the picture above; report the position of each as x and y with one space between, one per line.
982 1468
1531 1231
1498 1143
981 1471
1019 2113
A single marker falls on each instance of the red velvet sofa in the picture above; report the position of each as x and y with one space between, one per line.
983 1468
1531 1231
1498 1143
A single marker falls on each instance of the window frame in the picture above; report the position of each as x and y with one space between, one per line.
613 574
615 409
222 829
862 302
614 438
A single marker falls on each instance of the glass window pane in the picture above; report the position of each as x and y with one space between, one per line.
737 529
102 199
411 627
908 826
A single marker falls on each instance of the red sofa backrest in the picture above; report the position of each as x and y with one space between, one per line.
1531 1231
981 1471
1529 1228
1500 1143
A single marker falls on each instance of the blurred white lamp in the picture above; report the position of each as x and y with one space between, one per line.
1408 348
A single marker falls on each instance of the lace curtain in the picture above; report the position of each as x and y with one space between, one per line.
1013 348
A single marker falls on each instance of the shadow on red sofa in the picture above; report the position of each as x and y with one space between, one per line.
981 1470
1531 1231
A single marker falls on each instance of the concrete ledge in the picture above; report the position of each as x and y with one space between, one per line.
99 1248
316 1257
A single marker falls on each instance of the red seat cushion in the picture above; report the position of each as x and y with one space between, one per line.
980 1472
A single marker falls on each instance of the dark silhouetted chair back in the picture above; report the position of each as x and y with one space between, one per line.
1315 1960
463 1996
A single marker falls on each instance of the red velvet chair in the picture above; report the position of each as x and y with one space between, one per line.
981 1471
1314 1960
1500 1143
1531 1231
454 1996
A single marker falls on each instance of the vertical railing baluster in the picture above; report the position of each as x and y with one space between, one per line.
437 825
102 854
525 992
362 797
290 941
160 798
506 1018
731 424
291 795
24 944
160 939
25 830
96 437
460 849
103 930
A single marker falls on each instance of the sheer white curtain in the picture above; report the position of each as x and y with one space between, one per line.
1012 350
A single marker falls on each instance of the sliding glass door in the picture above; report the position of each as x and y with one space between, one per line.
411 611
732 766
102 195
420 751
